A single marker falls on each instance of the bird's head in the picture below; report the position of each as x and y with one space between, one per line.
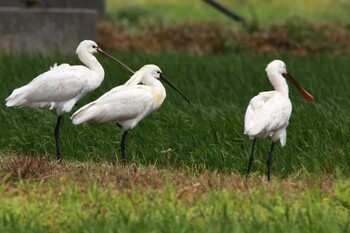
277 68
152 70
87 46
155 72
91 47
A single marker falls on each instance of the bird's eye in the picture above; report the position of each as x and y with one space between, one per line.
158 71
94 46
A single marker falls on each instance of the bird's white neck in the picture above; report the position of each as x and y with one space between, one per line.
91 62
278 82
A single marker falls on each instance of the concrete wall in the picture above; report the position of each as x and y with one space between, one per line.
45 30
47 26
98 5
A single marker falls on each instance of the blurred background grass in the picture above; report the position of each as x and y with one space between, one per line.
265 12
270 27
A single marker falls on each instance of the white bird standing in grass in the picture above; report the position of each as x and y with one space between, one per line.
268 113
62 86
127 104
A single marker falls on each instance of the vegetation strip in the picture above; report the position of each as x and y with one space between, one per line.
39 194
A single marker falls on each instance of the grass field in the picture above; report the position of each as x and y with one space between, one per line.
187 160
103 198
265 12
206 133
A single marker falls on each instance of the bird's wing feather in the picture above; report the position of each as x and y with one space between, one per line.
63 65
255 104
267 112
61 83
120 104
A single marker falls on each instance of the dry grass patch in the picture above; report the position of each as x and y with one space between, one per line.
295 36
187 182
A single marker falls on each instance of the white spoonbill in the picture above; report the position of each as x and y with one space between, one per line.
268 113
62 86
127 104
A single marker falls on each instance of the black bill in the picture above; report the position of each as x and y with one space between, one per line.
121 63
163 79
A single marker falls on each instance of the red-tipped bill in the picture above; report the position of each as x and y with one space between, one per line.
306 94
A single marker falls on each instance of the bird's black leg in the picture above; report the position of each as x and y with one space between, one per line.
122 146
251 158
269 160
57 137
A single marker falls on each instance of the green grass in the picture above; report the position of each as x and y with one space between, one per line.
136 201
204 139
265 12
208 132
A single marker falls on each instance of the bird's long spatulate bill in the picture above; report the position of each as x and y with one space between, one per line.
121 63
306 94
163 79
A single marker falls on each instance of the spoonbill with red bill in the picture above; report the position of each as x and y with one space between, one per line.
268 113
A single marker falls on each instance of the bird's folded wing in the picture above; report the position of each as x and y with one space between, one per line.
119 104
56 85
266 113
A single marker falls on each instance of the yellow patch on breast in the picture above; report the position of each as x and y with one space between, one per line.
158 99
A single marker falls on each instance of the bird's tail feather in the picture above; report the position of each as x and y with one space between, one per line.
18 97
84 114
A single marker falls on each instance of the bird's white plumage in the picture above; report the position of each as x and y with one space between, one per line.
62 86
126 104
134 80
268 113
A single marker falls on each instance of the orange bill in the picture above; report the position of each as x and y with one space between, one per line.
306 94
